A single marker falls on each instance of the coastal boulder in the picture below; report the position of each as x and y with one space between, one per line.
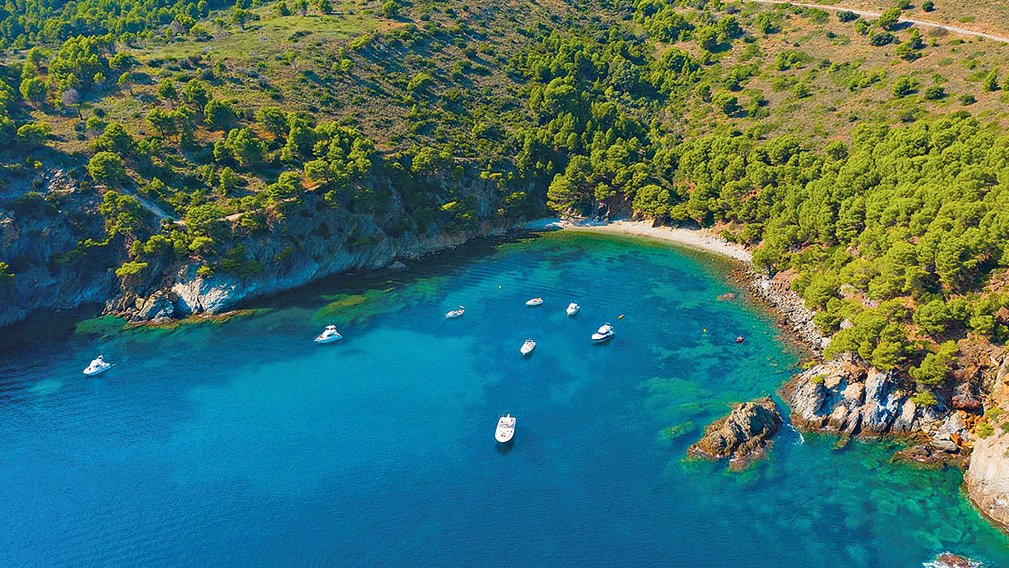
741 436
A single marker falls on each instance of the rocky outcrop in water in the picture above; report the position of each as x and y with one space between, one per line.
742 436
950 560
847 396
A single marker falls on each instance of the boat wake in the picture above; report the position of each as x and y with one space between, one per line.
800 439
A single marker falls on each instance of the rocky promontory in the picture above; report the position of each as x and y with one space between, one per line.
849 397
742 436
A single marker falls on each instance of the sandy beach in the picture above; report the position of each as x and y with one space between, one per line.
789 307
700 239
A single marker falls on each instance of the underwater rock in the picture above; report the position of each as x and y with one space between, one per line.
950 560
742 436
931 455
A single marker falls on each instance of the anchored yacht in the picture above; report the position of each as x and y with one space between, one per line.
96 367
505 429
329 335
604 333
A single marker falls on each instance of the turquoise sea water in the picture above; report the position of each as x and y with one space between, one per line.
242 443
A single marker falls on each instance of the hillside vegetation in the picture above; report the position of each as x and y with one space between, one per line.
864 160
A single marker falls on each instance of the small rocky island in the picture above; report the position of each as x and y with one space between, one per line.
742 436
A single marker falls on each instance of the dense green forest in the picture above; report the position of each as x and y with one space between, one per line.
860 158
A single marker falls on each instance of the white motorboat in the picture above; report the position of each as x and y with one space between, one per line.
604 333
505 429
96 367
329 335
535 302
456 313
527 347
573 309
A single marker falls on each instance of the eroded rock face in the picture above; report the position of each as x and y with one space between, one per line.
742 436
847 396
987 475
316 242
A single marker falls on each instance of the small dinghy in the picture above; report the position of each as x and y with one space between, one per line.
456 313
505 429
604 333
96 367
573 309
527 347
535 302
740 339
329 335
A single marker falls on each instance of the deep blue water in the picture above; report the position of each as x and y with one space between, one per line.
242 443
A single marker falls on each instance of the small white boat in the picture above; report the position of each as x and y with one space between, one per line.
96 367
505 429
535 302
527 347
329 335
456 313
604 333
573 309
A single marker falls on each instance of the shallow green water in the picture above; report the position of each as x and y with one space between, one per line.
242 443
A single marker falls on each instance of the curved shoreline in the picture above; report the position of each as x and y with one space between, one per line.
788 307
698 239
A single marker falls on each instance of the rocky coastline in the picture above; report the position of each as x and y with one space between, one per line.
849 398
185 293
62 258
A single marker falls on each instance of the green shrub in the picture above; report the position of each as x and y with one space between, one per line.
924 398
984 429
130 269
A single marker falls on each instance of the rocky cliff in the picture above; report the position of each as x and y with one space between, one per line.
849 397
316 240
49 238
43 220
987 475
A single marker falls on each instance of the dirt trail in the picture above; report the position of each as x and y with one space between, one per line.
866 13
